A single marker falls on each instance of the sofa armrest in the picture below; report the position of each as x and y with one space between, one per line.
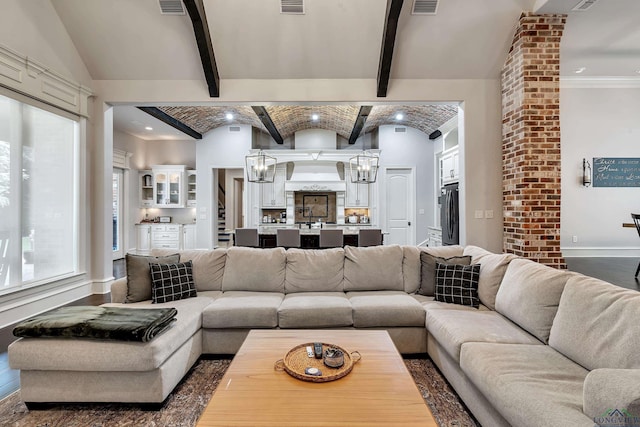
119 290
611 389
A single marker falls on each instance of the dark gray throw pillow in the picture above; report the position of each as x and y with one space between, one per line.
458 284
172 282
428 270
139 275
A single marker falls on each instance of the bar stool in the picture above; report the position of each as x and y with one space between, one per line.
369 237
247 237
331 238
288 237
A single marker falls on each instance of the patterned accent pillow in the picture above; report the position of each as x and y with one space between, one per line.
428 270
458 284
172 282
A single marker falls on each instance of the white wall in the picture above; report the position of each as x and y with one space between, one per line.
33 29
410 149
218 149
171 153
598 122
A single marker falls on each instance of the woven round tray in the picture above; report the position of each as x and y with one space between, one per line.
296 361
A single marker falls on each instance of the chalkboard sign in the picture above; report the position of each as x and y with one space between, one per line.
616 172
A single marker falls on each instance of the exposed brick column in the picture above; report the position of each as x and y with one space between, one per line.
531 140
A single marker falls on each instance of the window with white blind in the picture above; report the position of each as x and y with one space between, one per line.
38 195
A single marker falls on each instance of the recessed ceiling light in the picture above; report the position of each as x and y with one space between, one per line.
399 116
229 116
148 128
314 117
580 70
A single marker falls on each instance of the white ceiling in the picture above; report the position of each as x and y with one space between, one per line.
134 121
341 39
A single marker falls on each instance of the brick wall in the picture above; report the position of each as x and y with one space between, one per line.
531 140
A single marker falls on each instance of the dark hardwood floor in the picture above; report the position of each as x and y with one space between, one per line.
619 271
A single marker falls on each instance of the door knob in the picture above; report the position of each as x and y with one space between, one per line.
409 223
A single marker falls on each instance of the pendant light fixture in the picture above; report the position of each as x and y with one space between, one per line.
260 167
363 168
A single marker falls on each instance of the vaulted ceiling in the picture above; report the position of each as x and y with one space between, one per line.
336 39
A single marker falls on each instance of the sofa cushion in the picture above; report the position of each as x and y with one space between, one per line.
139 275
492 270
457 284
611 389
208 266
373 309
314 270
373 268
475 252
529 295
411 268
531 385
429 303
59 354
241 309
254 270
597 324
452 328
428 270
315 310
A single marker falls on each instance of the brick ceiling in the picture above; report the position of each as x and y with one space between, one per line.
289 119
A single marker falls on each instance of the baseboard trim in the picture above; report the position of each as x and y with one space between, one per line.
611 252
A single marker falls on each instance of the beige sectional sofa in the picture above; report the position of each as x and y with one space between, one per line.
545 347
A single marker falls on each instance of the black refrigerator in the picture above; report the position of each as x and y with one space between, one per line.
449 215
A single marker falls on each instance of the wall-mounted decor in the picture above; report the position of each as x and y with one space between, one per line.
616 172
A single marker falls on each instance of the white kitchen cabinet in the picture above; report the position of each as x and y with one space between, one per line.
273 194
189 236
146 188
450 166
435 237
143 235
165 236
357 195
169 187
191 189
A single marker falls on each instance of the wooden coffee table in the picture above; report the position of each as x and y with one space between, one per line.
379 391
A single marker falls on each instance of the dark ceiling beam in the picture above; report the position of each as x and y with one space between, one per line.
262 114
171 121
359 124
388 40
205 45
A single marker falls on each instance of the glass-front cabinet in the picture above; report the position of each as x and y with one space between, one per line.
169 189
146 189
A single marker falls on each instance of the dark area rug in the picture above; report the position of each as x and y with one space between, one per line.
188 400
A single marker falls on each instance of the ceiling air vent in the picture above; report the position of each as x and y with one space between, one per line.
292 7
584 5
424 7
234 128
400 130
171 7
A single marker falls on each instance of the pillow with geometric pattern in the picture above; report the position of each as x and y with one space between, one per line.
172 282
457 284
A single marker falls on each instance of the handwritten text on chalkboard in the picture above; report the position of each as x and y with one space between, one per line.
616 172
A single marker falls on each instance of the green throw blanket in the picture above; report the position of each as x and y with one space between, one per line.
111 323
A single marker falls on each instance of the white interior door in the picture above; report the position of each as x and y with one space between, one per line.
399 204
